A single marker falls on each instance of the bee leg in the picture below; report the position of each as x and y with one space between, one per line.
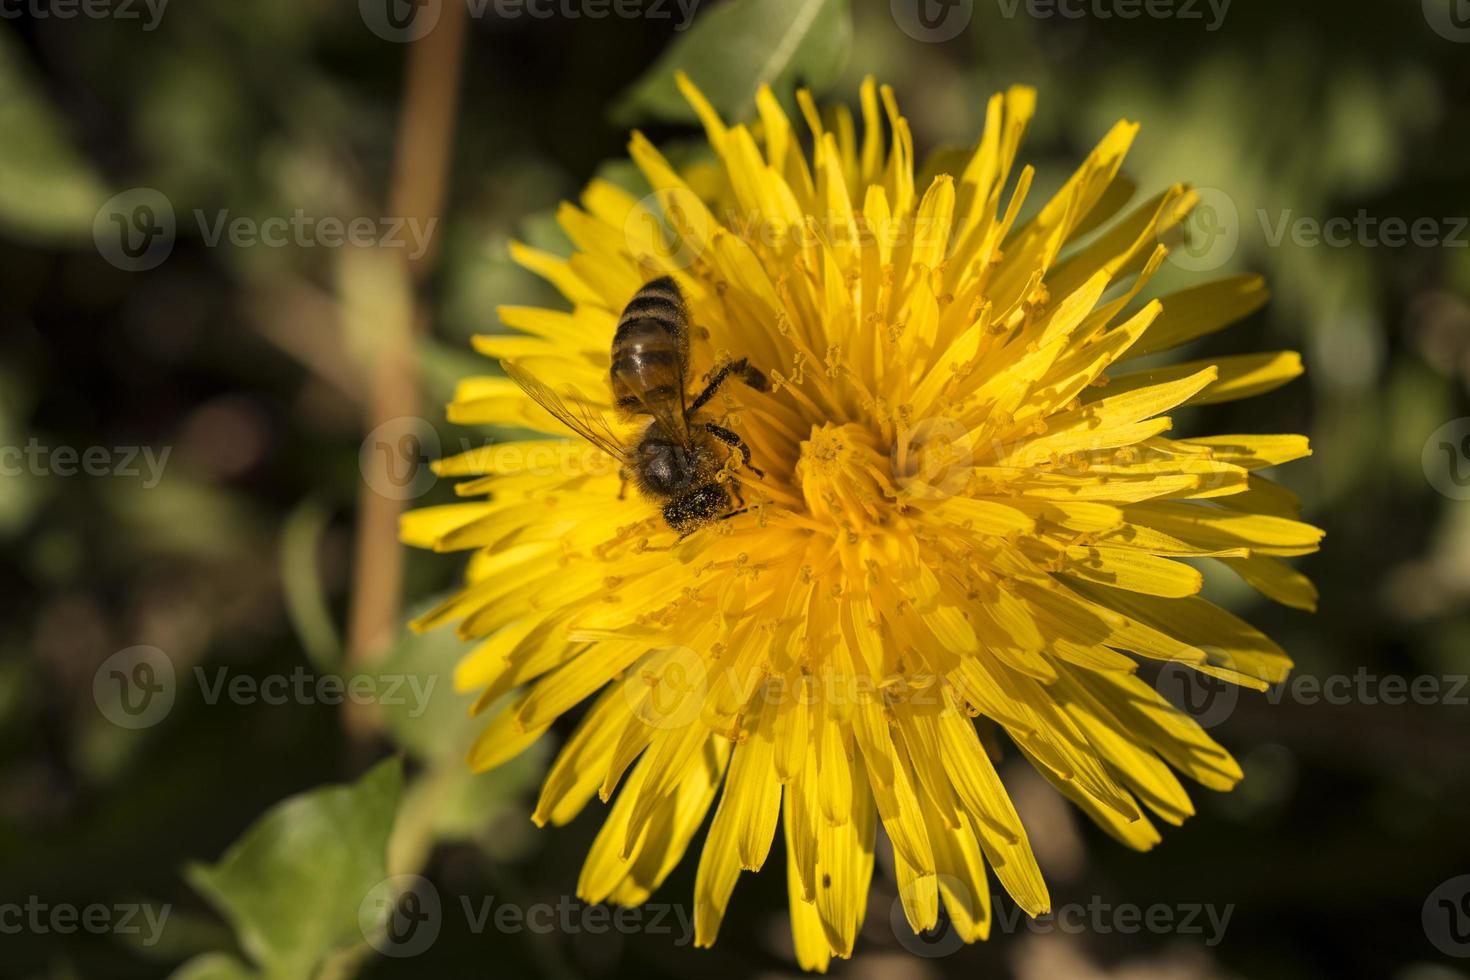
740 368
709 390
731 439
733 513
753 377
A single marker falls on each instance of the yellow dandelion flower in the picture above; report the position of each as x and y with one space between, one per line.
973 520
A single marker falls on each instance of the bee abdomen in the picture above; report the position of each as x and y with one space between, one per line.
661 289
647 368
654 306
660 303
650 348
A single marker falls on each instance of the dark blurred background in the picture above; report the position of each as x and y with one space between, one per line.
262 545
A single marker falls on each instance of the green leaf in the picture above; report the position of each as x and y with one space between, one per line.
540 229
492 806
293 885
441 368
301 584
426 716
431 721
736 48
214 966
682 154
47 190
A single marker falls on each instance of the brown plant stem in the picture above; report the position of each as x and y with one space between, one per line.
417 192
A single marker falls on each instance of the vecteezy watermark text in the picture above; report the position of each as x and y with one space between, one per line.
1364 687
590 9
1363 230
1181 10
1215 228
1097 916
148 11
42 918
302 687
126 461
402 916
136 688
306 231
403 21
136 230
1100 917
1210 700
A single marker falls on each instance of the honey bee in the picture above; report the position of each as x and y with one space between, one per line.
678 457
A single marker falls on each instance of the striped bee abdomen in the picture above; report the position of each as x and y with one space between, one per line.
650 351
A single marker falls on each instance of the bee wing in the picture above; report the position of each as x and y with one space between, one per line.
670 417
583 419
665 402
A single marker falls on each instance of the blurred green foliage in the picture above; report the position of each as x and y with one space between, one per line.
48 192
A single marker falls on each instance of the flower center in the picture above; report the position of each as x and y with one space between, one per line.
844 477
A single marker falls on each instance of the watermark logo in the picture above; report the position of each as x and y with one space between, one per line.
1211 233
401 916
135 230
932 21
1446 459
1208 700
1450 19
932 459
667 691
396 458
667 228
135 688
940 940
400 21
1446 917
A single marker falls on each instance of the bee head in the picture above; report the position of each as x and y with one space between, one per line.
693 510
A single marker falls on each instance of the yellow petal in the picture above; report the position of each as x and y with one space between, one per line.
1240 376
1196 312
